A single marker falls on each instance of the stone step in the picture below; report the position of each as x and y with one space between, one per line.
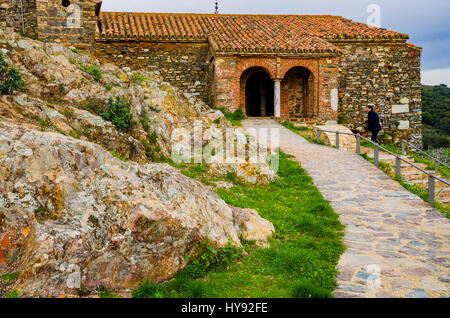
445 200
392 161
424 183
415 175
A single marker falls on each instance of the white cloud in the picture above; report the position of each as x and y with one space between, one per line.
436 77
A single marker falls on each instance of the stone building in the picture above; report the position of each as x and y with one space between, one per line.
310 68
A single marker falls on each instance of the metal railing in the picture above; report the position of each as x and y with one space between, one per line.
436 161
398 160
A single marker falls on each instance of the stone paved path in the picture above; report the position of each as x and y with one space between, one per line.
397 244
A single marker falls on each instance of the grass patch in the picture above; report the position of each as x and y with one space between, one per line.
9 278
119 156
140 78
104 292
13 294
306 132
235 118
94 71
302 256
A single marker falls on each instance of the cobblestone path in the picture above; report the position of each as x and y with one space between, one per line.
397 244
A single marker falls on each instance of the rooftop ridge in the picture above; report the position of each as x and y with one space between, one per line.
228 14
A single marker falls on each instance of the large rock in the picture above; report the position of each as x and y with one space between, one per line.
72 215
252 226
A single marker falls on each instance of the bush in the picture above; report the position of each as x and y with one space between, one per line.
95 72
119 114
434 140
10 80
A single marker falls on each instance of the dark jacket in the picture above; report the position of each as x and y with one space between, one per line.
374 121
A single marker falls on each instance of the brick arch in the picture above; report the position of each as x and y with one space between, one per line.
243 77
267 65
285 68
298 91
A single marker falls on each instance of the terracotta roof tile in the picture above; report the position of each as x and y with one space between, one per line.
241 33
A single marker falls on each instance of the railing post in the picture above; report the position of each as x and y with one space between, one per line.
375 155
358 144
398 167
318 133
337 139
431 189
436 166
403 147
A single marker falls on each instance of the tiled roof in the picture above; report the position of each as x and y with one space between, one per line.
241 33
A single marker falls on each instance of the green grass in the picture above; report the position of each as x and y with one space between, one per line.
13 294
303 252
9 278
104 292
94 71
235 118
140 78
305 132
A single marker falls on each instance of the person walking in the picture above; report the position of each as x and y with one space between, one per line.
374 123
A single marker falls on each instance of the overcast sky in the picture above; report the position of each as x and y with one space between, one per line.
426 21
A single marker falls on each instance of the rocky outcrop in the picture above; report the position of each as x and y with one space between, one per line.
82 203
66 91
72 215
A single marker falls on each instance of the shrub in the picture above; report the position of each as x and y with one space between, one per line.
95 72
435 140
10 79
119 114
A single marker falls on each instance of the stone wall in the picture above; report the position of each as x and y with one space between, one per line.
386 76
11 16
73 25
184 65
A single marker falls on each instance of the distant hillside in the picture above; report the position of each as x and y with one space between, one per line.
436 116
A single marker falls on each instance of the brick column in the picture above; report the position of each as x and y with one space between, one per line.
277 98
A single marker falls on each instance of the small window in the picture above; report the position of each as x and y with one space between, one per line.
65 3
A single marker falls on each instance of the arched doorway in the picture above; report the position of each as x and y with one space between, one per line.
297 93
258 88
